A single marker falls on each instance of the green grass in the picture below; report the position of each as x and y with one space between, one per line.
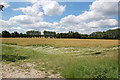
69 62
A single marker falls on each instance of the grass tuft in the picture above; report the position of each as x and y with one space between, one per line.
12 58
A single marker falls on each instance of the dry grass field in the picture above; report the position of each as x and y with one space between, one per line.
62 42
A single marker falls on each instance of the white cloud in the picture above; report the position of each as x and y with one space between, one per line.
31 10
3 2
99 16
32 1
69 20
26 19
98 10
49 7
33 17
39 25
16 28
104 23
5 24
105 8
115 27
52 8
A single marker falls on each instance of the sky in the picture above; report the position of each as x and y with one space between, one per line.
82 17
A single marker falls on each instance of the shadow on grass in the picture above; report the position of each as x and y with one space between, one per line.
10 43
95 53
12 58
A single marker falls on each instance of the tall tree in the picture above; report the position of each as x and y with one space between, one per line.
33 33
6 34
49 34
15 34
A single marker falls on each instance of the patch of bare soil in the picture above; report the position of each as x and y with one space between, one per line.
9 71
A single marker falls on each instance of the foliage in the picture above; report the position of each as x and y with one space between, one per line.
6 34
110 34
49 34
33 34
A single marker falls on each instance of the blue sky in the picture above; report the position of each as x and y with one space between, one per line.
83 17
73 8
9 12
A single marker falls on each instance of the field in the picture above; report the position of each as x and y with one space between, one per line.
66 58
62 42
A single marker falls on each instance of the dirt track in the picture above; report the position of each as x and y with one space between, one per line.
9 71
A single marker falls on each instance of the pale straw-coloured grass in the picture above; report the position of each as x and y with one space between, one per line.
62 42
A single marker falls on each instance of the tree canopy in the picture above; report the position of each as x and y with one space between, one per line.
110 34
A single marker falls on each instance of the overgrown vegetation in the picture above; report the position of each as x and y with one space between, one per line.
12 58
68 61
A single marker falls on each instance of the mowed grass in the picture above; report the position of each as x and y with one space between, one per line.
71 58
62 42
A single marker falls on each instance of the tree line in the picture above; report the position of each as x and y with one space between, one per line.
110 34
